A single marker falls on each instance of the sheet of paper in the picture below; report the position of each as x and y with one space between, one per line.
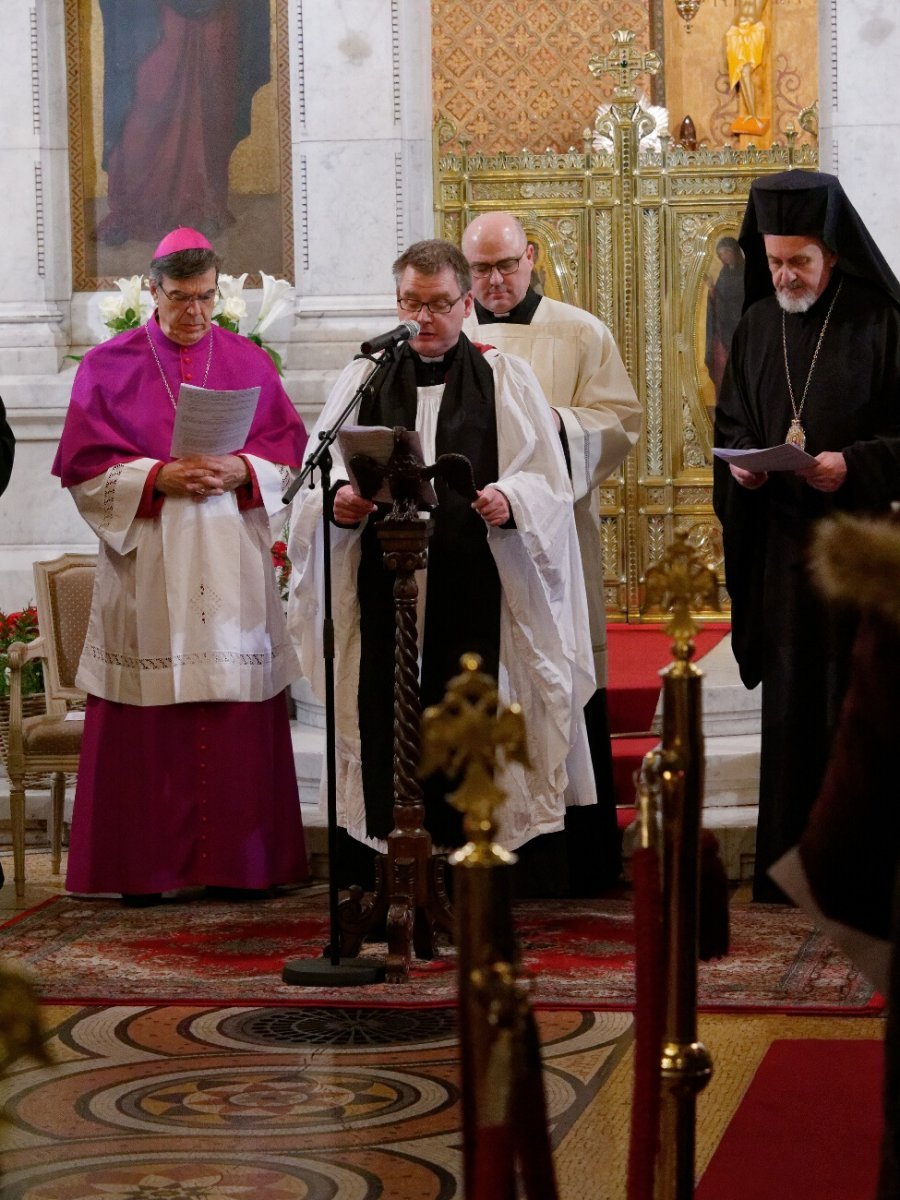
208 421
776 458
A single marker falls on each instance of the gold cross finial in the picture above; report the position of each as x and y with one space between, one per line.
464 735
624 62
678 582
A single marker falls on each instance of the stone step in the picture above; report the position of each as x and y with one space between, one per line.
728 707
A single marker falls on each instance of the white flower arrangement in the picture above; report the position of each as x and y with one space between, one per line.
231 305
125 311
277 301
128 310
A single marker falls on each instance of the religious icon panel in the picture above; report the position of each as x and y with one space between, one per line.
179 115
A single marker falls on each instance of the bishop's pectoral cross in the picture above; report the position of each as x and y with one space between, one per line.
624 62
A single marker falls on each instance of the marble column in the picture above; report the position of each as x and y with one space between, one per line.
37 520
362 171
361 99
859 110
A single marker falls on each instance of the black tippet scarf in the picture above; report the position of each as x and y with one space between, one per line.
462 611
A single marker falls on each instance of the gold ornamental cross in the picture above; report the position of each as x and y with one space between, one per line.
624 62
680 581
463 736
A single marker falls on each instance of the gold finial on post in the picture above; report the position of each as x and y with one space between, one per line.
462 736
672 785
21 1030
505 1138
680 581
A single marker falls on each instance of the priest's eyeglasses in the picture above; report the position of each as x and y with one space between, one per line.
506 266
185 299
437 308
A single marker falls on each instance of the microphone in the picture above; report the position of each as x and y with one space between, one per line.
407 329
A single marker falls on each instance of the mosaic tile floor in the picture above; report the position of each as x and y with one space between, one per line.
275 1104
240 1103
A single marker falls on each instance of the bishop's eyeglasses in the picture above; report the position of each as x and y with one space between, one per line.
185 299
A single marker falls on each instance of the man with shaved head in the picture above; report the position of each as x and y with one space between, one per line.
598 417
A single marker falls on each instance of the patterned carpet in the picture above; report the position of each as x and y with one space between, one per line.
187 1103
580 953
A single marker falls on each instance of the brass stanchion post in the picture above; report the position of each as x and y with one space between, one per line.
504 1111
680 580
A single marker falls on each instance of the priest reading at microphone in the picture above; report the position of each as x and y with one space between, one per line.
503 579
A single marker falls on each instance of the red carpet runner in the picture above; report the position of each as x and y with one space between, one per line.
808 1128
637 653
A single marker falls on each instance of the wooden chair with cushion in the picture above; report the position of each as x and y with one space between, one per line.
43 749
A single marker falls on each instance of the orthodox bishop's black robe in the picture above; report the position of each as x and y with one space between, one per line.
784 636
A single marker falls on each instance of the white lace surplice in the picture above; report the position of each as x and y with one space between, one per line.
210 624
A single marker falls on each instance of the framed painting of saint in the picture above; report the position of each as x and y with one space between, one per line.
179 114
722 293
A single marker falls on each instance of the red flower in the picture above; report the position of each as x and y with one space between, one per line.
282 565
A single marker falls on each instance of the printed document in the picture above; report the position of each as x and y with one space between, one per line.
208 421
776 458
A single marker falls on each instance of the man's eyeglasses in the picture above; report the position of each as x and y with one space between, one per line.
506 266
438 308
184 299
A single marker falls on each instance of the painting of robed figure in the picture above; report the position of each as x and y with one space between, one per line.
182 120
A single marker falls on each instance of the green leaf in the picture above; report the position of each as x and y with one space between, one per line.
275 357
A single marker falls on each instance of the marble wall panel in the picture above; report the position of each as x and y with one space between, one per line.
860 110
347 76
38 517
22 200
19 113
356 231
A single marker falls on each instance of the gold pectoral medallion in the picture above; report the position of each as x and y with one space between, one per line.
795 435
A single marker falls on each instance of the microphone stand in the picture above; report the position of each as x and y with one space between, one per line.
333 970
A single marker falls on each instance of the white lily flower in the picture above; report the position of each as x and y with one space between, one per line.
231 285
229 288
234 308
277 301
131 292
112 307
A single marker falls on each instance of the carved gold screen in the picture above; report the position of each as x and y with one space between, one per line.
630 232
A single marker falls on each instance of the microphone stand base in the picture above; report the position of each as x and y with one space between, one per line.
322 972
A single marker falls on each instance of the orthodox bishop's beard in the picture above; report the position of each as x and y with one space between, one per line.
795 302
